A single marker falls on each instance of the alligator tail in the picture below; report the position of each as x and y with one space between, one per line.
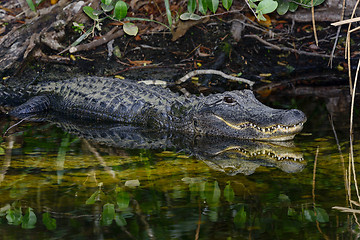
33 106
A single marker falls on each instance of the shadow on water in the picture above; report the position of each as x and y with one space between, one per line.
66 179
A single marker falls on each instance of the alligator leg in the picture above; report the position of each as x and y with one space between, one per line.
34 105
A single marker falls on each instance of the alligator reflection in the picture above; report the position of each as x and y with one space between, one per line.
231 156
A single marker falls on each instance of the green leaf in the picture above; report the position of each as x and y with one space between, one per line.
94 197
38 2
168 12
49 222
291 212
213 214
106 8
240 218
189 16
82 37
318 2
307 3
261 17
229 193
108 214
31 5
130 29
14 216
212 192
106 2
252 4
29 219
203 6
194 189
120 220
309 215
4 209
283 7
266 6
2 151
227 4
293 7
90 12
123 200
191 6
120 11
147 20
98 12
321 215
284 198
213 5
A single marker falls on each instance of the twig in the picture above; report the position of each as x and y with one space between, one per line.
354 29
130 68
300 4
7 161
347 46
351 155
353 98
334 47
314 175
346 21
197 234
223 13
313 22
337 35
112 34
216 72
346 210
263 41
313 193
340 152
300 52
143 217
247 2
14 125
101 160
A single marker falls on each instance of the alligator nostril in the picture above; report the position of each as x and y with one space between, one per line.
295 115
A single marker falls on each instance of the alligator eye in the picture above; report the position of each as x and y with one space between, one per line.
229 100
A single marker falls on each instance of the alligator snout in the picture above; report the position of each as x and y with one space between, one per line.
294 116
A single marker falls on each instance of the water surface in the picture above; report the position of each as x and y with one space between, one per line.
55 184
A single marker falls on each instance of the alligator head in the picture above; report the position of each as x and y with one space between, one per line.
239 114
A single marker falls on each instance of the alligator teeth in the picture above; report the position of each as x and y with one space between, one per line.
262 152
262 129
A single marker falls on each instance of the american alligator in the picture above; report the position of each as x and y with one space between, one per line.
235 114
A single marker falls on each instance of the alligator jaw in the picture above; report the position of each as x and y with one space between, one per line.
265 152
271 133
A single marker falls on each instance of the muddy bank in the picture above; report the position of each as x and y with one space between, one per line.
231 43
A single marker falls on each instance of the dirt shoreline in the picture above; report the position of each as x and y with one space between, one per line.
231 43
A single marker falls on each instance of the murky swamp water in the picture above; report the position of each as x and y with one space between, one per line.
57 185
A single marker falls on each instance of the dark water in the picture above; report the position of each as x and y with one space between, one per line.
57 185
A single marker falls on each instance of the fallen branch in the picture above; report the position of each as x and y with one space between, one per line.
216 72
112 34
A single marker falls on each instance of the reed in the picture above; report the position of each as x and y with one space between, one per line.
350 174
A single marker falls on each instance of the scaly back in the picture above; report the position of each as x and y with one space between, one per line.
108 98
